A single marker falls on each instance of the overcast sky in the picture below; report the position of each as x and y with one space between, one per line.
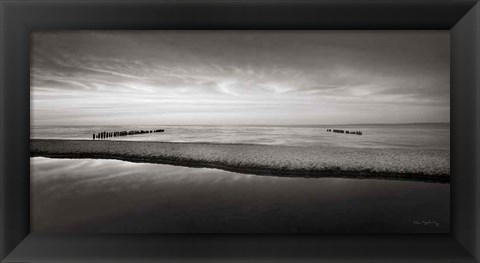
239 77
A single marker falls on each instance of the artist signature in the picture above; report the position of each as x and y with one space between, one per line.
429 222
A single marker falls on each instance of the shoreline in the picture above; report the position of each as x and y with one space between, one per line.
280 161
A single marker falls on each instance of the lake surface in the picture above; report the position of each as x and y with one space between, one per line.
111 196
434 136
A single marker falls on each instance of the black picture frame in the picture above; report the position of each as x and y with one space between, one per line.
20 17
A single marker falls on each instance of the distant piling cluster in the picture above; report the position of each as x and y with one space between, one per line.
106 135
347 132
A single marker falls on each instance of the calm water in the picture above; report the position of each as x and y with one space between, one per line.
110 196
417 136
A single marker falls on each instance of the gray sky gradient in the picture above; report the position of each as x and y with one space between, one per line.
239 77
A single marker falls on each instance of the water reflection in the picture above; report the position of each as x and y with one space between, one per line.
87 195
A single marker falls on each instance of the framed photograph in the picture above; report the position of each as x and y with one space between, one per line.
240 131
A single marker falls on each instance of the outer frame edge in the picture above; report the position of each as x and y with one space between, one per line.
3 112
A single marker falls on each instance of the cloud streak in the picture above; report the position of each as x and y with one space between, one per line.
239 77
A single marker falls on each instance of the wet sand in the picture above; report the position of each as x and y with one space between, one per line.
272 160
111 196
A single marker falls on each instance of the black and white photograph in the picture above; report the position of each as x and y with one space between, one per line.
270 131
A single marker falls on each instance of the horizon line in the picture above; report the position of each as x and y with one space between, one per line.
397 123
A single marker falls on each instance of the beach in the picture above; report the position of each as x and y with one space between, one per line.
249 179
240 132
293 161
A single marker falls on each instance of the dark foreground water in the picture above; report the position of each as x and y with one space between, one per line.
110 196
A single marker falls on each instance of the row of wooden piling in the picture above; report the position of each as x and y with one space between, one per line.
106 135
347 132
